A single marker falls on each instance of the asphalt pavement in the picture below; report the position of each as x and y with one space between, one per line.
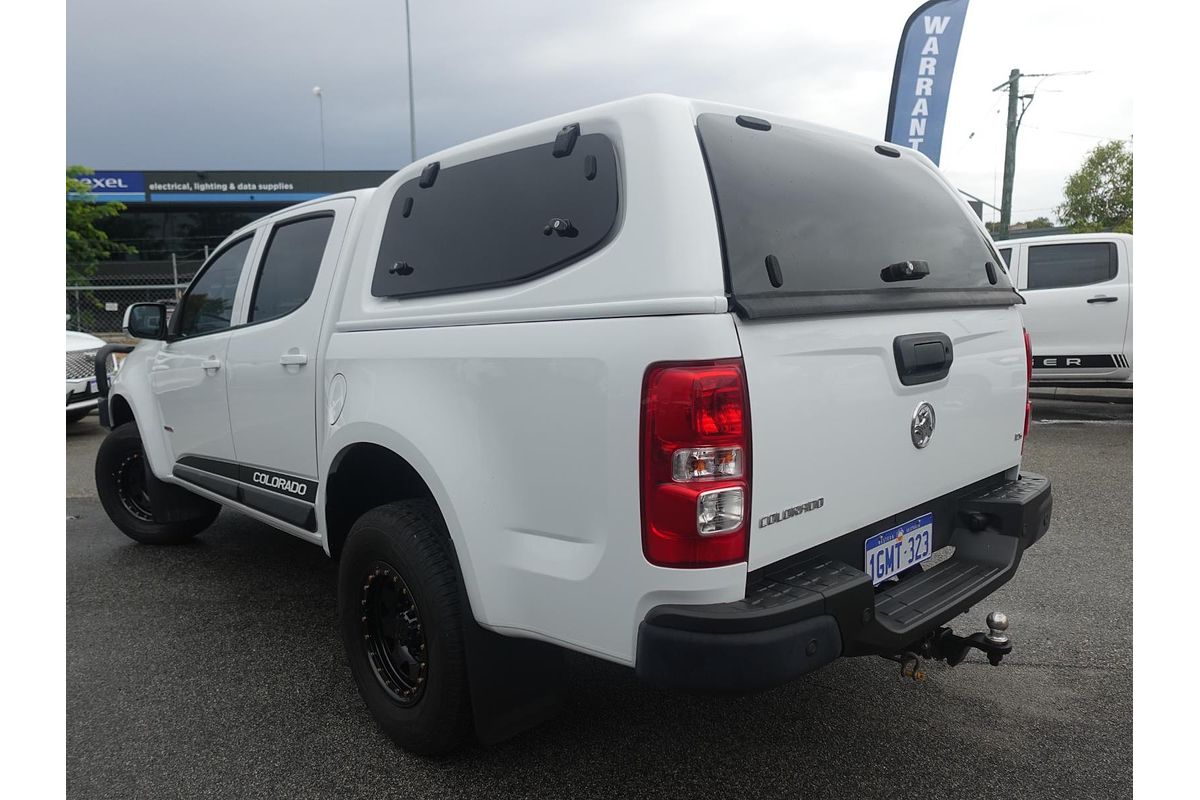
214 670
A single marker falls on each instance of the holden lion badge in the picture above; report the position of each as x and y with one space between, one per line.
923 423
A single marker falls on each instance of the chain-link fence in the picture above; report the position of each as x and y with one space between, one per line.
97 304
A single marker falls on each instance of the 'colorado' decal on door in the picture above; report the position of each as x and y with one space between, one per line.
286 497
280 483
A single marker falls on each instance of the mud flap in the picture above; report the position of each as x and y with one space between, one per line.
516 684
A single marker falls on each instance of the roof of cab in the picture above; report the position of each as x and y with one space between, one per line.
1062 238
357 194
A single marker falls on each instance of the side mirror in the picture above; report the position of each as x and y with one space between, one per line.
146 321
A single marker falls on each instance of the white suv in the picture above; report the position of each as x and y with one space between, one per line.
82 392
689 388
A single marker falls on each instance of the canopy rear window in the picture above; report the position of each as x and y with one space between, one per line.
811 220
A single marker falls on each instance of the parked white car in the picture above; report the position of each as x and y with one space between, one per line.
82 393
693 389
1078 291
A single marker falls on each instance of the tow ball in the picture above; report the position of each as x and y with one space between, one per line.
944 645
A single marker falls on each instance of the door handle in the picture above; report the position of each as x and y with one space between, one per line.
211 363
1100 298
922 357
293 359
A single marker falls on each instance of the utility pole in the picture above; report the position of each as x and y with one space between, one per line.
1013 87
1010 151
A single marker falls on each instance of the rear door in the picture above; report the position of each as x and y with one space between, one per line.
867 296
1077 297
273 360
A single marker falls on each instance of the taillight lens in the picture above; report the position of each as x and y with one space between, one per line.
695 464
1028 381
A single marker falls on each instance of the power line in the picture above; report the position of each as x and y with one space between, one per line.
1015 98
1086 135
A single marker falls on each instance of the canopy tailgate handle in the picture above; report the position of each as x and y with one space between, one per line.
922 357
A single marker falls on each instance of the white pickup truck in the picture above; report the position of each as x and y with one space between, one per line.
1078 291
689 388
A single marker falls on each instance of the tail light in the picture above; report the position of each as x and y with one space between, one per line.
1028 381
695 464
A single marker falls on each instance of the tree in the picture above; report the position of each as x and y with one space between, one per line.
87 245
1099 196
1033 224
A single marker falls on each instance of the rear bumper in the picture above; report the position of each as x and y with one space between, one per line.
803 613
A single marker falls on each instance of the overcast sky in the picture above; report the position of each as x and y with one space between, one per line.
227 84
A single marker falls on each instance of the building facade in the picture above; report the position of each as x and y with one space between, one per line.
173 220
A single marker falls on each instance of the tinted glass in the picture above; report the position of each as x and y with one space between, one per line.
1006 254
289 268
208 305
486 222
1052 266
835 212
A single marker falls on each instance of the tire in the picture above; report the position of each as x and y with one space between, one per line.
121 485
77 414
396 568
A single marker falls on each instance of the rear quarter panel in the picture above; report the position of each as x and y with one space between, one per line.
528 435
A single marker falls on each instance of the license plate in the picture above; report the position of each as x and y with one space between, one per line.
92 387
893 551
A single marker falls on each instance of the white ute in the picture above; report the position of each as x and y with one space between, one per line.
689 388
1078 290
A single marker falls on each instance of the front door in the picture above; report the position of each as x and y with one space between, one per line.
1077 304
273 367
188 375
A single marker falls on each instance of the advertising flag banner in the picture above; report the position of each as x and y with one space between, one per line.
921 81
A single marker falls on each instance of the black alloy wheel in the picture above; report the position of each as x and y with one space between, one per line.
392 635
123 484
130 478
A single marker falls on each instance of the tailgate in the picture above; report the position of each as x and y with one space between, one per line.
832 422
865 288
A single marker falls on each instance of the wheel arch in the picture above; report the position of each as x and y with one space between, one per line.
372 466
365 475
119 410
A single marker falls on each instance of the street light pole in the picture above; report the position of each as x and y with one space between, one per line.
412 113
321 112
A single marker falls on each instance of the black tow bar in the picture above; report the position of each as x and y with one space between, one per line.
944 645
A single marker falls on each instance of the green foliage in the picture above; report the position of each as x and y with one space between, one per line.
87 245
1099 196
1033 224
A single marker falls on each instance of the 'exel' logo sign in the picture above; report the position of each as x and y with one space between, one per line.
102 183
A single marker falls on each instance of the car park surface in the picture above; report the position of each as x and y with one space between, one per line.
214 669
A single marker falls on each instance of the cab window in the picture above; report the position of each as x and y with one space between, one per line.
289 267
208 305
1054 266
